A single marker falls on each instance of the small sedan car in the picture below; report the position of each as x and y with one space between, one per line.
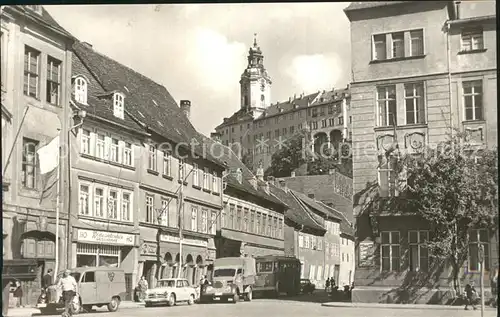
170 291
306 286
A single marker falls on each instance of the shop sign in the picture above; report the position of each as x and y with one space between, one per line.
148 249
187 241
105 237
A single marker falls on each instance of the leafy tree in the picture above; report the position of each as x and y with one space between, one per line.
247 159
454 187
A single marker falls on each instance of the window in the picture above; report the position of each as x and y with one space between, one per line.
478 237
196 176
284 131
386 105
263 227
238 219
194 218
114 150
53 81
215 184
30 163
223 219
414 103
213 223
331 122
472 39
231 223
350 119
85 141
150 212
301 241
204 220
269 225
257 224
306 242
419 254
152 158
387 177
100 146
31 72
252 221
390 253
379 47
417 42
473 100
292 129
167 164
341 120
277 133
88 277
99 202
323 123
84 200
314 112
126 206
81 90
113 204
398 44
182 173
118 102
206 180
127 154
245 220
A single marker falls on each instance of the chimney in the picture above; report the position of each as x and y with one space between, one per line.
289 99
293 174
294 96
186 108
224 120
457 6
239 175
283 185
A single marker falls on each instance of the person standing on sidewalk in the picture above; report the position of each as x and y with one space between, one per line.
471 296
69 288
327 284
47 280
143 287
18 294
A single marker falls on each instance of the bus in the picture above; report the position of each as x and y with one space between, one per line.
277 274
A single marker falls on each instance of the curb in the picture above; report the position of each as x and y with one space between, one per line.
29 311
398 306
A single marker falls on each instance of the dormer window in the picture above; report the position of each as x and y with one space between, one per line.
118 101
81 90
35 8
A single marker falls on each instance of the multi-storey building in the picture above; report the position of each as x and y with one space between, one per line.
129 168
252 220
418 70
259 128
35 76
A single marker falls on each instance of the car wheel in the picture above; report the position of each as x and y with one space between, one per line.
113 305
87 308
249 295
191 299
171 300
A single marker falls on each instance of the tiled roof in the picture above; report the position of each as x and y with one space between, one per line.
316 205
301 102
345 227
44 18
372 4
145 100
233 162
295 211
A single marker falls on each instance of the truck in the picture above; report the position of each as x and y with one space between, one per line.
233 278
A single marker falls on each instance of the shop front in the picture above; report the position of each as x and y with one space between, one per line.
106 248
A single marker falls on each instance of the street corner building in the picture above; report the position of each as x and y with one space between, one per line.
418 69
134 184
259 127
252 219
35 77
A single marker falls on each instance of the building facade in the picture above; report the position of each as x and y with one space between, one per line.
418 70
137 186
35 77
258 128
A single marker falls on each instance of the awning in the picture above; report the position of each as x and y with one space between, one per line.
44 235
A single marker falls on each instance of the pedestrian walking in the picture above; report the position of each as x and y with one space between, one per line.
327 284
470 297
47 280
69 289
18 294
143 287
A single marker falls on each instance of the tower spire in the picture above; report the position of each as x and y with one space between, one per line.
255 40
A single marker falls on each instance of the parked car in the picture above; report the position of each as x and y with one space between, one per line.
306 286
170 291
97 286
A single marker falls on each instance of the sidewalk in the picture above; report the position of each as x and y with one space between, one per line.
29 311
399 306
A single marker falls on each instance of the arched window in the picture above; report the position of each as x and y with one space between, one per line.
118 101
81 90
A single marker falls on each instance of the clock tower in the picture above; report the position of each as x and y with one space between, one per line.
255 83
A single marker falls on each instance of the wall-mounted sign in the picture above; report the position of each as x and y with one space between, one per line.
105 237
148 248
187 241
367 253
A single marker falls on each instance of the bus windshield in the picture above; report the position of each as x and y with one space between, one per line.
224 273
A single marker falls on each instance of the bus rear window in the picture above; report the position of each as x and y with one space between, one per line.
265 267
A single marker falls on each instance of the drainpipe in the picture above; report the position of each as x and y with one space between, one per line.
298 247
448 51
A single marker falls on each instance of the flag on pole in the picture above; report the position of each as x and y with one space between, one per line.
49 156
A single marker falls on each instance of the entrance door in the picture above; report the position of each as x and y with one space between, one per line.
149 273
88 288
336 274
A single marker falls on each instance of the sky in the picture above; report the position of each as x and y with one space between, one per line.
199 51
